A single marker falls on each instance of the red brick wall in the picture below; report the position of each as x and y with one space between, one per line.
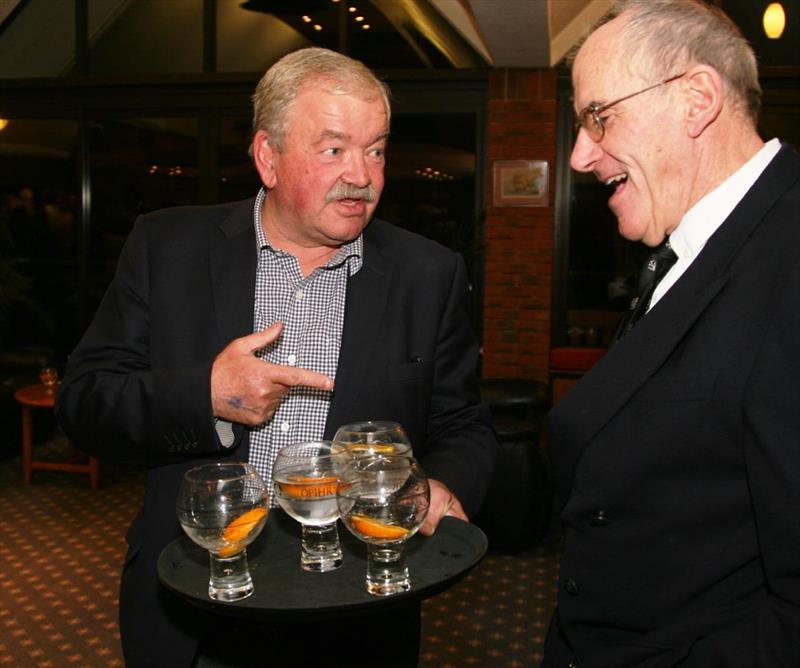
519 240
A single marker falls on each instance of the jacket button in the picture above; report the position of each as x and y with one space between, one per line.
600 518
574 663
571 587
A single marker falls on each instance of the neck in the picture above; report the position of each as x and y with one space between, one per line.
724 149
284 237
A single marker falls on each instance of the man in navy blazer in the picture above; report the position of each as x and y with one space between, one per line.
678 454
173 369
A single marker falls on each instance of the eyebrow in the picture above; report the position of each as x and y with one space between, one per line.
333 134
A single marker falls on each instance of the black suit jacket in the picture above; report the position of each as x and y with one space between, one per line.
137 386
678 458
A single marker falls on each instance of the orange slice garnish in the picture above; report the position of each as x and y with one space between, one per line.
241 526
309 487
377 529
373 448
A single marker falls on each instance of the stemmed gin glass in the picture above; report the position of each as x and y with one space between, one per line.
223 507
372 437
305 477
383 501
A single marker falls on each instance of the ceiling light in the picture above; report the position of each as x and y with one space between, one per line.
307 19
774 20
317 26
365 26
352 9
3 123
359 18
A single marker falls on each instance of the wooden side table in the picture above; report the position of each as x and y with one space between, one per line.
37 396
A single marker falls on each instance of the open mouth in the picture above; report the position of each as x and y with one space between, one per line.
616 180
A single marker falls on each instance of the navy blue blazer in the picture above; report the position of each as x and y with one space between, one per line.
137 387
678 462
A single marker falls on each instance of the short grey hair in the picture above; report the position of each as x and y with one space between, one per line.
667 36
331 71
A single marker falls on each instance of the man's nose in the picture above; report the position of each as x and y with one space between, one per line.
356 172
585 153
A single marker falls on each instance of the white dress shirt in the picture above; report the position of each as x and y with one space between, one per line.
703 219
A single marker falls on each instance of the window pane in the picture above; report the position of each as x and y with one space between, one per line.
39 40
430 178
145 36
238 176
137 165
39 228
249 41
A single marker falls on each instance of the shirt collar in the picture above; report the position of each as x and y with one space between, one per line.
703 219
351 252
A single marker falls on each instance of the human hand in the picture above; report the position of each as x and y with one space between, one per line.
248 390
443 502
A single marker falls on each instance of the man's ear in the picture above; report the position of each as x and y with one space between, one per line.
705 97
264 155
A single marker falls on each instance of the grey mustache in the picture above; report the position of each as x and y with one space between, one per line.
349 191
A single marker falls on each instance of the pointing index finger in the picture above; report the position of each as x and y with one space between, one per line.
296 377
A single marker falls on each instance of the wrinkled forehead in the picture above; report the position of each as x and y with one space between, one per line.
599 70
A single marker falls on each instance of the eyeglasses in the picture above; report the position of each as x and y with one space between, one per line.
589 117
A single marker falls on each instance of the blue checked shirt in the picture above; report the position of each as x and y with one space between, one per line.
311 309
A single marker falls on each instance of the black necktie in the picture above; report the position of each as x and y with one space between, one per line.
653 271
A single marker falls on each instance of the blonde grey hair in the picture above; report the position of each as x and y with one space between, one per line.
331 71
667 36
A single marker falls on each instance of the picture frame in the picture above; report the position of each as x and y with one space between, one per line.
521 183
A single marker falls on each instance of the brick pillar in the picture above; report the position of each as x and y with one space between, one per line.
519 240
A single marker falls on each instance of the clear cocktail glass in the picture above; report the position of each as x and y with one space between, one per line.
223 507
372 437
305 477
383 501
49 377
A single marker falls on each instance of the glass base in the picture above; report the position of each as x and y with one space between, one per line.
230 578
321 550
387 572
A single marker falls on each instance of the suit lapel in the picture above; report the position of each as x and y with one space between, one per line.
367 293
611 383
233 274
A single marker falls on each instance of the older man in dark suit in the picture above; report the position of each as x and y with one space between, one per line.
230 331
678 455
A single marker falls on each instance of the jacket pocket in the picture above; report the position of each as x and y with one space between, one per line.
409 371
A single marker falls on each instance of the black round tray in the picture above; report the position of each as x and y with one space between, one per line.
285 592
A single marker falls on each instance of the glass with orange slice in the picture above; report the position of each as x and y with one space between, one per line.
305 480
371 437
383 501
223 508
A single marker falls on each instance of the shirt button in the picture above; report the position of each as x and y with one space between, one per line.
299 295
599 519
285 427
574 663
291 359
571 587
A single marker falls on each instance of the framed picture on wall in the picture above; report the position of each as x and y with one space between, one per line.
520 183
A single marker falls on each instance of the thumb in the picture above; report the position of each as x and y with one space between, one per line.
258 340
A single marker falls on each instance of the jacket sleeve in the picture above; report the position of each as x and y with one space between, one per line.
115 401
772 452
461 446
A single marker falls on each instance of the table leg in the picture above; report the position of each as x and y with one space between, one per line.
94 472
27 444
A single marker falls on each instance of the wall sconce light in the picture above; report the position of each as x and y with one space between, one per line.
774 20
3 123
